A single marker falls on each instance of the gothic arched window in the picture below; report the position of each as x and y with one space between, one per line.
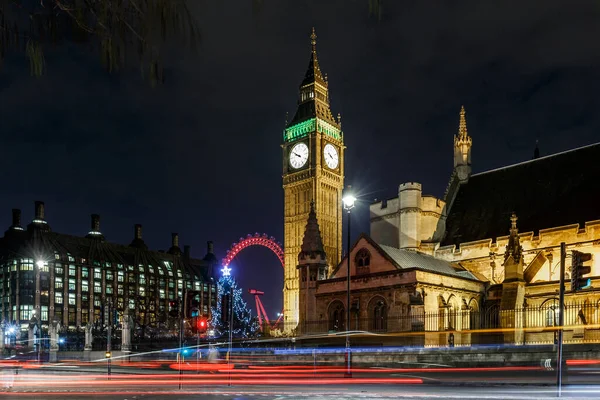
379 316
362 260
337 316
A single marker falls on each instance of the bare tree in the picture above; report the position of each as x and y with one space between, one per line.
121 30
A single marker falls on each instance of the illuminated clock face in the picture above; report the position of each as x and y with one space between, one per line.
331 156
299 155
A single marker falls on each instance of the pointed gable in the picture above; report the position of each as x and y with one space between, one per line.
312 243
378 260
387 259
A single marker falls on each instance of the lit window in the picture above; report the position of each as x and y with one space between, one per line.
131 304
142 291
58 298
109 275
26 311
120 290
58 283
72 299
85 286
162 293
72 271
97 273
142 279
120 276
97 287
109 290
26 266
72 284
97 303
57 256
85 272
44 312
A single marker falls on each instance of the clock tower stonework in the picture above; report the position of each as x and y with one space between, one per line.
317 176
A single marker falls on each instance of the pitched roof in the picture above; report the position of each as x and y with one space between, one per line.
406 259
412 259
36 242
314 107
552 191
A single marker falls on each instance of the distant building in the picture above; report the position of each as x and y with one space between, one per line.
46 274
485 256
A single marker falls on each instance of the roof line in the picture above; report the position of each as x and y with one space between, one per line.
535 160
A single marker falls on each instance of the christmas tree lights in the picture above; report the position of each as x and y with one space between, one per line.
244 325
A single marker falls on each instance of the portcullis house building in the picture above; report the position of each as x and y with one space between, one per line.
50 275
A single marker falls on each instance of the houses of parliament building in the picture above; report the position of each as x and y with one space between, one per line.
480 263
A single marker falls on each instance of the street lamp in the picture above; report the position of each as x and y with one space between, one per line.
348 201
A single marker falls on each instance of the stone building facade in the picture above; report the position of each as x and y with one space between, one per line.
482 263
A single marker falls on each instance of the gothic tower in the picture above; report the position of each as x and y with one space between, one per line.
313 170
462 149
312 266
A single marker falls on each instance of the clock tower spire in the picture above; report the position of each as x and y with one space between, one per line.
313 170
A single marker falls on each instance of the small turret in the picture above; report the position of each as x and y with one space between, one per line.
462 149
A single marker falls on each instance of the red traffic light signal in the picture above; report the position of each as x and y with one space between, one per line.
202 324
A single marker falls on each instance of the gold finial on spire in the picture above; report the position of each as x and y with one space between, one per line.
462 125
340 119
313 40
287 114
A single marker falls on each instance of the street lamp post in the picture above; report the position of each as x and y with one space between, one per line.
348 201
109 322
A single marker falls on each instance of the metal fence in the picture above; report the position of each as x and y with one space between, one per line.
533 321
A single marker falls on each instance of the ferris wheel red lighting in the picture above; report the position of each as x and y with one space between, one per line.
254 240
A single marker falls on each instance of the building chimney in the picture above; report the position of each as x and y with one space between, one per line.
137 238
95 223
137 232
174 240
210 247
186 251
16 218
39 210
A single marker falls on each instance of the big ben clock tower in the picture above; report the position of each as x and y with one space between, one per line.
313 169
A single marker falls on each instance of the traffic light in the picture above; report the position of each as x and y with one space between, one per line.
578 270
202 324
174 309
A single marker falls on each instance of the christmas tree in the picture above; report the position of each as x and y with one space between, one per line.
244 325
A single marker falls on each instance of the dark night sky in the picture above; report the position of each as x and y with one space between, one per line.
201 155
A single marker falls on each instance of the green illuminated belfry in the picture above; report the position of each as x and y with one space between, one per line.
313 112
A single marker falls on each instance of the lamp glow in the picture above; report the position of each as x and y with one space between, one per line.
349 201
39 263
226 271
